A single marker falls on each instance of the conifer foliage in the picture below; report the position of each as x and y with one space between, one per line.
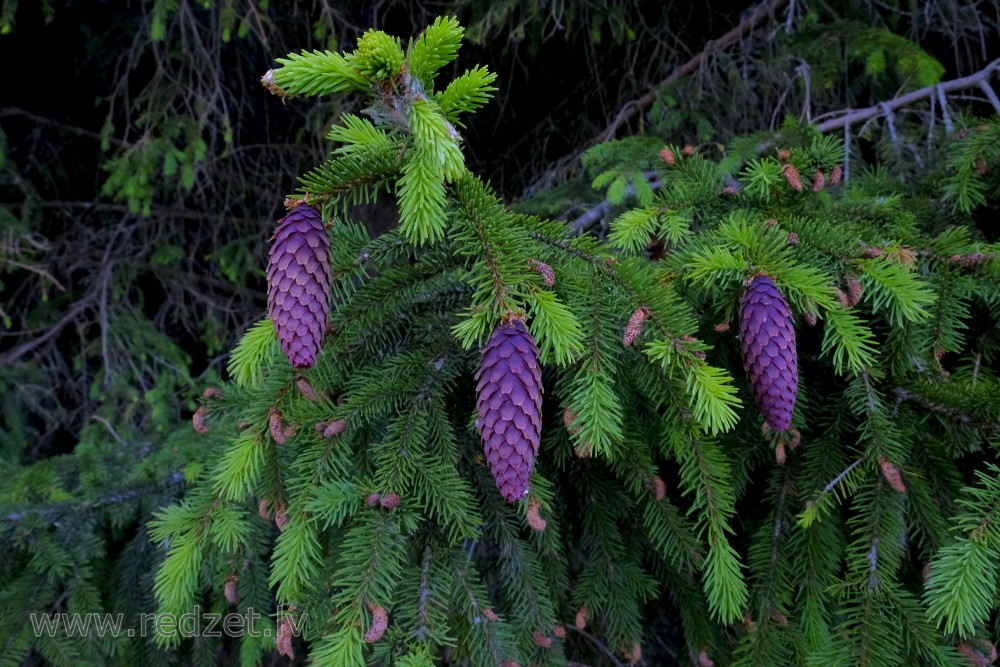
358 486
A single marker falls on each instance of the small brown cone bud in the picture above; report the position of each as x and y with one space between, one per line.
491 615
667 156
691 339
810 318
835 175
581 617
544 270
335 428
978 652
635 655
926 573
540 640
583 451
380 621
276 428
390 501
780 618
853 291
792 177
659 487
905 256
784 154
280 518
730 190
871 252
230 589
770 222
559 631
722 327
569 416
306 389
688 150
268 82
796 437
198 419
212 392
283 638
373 499
779 453
704 660
843 299
264 509
980 166
892 475
533 516
634 326
793 238
819 181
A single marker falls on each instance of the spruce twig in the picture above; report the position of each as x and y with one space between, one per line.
955 414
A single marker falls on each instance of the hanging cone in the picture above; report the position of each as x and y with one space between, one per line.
510 407
298 284
769 357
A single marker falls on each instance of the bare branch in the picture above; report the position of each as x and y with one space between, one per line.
757 16
70 315
861 115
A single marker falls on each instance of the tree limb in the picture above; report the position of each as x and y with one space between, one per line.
851 117
964 418
70 315
747 25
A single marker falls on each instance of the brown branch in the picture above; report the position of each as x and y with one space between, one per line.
965 418
70 315
597 643
747 25
980 78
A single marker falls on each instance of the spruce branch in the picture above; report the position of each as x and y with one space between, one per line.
120 496
844 119
955 414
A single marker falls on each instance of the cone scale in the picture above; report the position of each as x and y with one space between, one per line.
769 356
298 284
509 394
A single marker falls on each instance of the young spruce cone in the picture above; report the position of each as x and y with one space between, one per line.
510 407
769 357
298 284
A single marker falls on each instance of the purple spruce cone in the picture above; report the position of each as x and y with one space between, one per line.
769 357
298 284
510 407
